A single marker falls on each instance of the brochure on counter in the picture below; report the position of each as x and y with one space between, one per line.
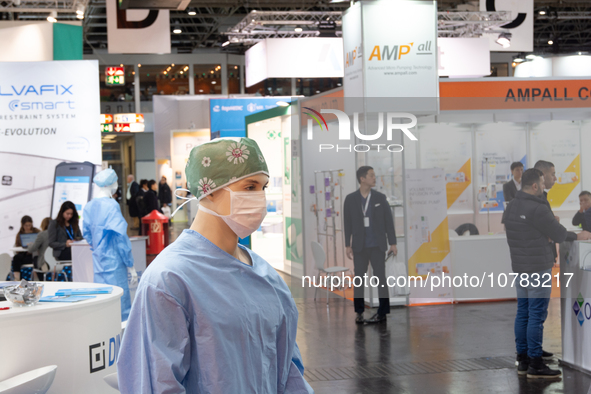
66 298
85 291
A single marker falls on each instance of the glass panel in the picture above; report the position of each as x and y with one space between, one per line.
114 93
163 80
233 79
208 79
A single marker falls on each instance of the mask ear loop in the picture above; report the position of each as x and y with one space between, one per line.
183 198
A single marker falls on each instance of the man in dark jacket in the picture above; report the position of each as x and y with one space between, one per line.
368 220
532 231
132 189
164 193
583 216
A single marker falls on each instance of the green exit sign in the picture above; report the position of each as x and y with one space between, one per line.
115 80
106 128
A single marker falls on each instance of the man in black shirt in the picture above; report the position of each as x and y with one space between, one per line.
369 229
582 217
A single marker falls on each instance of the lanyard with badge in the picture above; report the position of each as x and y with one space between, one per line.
70 232
366 218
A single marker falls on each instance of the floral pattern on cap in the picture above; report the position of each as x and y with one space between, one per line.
222 161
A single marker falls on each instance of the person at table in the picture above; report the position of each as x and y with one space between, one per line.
151 197
583 216
532 230
511 188
105 229
63 231
22 258
40 245
209 315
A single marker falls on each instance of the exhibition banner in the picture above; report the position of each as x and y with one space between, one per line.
228 115
137 31
514 93
294 58
521 26
449 146
391 49
559 143
497 146
49 112
427 232
463 57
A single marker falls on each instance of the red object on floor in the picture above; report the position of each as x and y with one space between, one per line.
155 226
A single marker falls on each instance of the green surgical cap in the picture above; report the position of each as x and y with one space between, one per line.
220 162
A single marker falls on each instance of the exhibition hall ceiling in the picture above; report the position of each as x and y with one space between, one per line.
203 24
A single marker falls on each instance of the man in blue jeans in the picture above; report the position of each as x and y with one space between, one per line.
532 231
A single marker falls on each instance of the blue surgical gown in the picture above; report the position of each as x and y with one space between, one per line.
204 322
105 229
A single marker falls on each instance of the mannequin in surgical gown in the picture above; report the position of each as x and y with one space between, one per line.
105 229
211 316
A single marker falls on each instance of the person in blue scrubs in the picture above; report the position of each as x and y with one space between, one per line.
210 315
105 229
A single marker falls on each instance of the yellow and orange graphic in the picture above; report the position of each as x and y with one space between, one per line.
566 182
455 189
432 252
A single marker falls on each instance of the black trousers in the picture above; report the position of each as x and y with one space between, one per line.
65 254
361 261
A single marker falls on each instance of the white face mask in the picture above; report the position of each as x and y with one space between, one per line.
247 212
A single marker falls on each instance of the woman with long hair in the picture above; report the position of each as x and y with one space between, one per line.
209 315
22 258
63 231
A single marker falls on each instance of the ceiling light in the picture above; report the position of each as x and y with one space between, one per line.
177 30
550 42
172 65
298 29
514 64
213 82
531 56
192 13
52 17
211 71
80 9
580 53
518 60
226 43
283 103
80 16
504 40
182 71
542 12
200 90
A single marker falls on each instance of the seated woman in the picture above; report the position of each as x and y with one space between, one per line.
40 245
63 231
22 258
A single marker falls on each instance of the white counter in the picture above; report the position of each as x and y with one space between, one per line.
475 255
575 305
81 338
83 267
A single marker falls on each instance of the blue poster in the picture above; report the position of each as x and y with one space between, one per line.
226 116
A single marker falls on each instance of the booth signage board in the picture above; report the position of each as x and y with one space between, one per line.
465 57
395 44
294 58
576 306
49 112
515 93
137 31
427 232
228 115
521 26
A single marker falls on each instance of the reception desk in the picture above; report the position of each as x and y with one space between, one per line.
83 268
575 308
81 338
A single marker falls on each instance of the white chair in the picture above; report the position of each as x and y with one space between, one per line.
37 381
112 380
55 267
5 265
320 259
